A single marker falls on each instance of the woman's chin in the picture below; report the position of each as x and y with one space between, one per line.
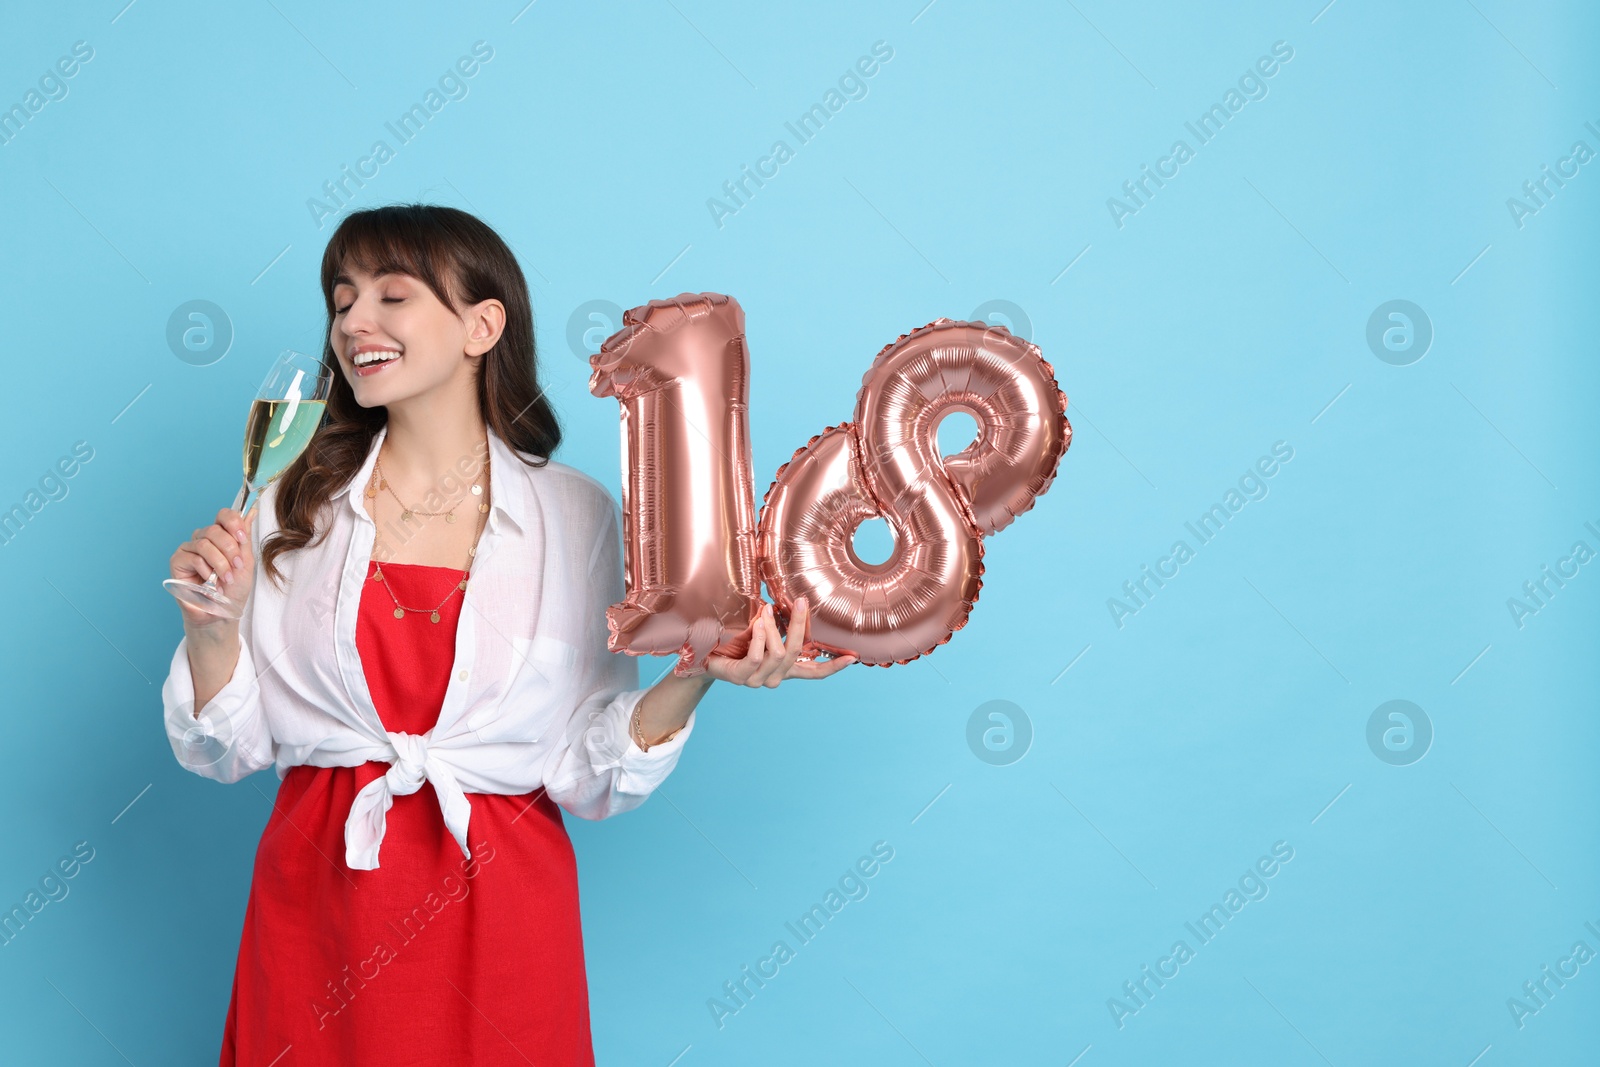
373 396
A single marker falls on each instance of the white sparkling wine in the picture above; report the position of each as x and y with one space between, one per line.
277 432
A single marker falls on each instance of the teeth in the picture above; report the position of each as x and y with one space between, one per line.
375 356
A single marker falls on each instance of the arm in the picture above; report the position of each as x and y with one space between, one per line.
596 768
667 705
211 699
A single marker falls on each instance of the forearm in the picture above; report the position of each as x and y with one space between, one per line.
665 707
213 655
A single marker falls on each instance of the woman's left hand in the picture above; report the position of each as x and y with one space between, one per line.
771 660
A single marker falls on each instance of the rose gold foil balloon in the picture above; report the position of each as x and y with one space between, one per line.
680 371
887 463
694 553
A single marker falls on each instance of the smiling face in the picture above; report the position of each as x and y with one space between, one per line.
396 340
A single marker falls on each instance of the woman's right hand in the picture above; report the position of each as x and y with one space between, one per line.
223 549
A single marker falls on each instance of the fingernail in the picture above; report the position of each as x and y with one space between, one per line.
227 576
240 535
238 562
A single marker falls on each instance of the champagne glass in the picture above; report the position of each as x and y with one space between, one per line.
285 414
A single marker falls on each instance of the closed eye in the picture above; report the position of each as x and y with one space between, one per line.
386 300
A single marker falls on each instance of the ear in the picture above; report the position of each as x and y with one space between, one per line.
486 321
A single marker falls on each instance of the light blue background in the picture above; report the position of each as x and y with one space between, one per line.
1228 314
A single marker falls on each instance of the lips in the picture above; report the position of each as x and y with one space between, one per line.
373 360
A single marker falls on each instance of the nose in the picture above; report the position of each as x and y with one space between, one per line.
358 321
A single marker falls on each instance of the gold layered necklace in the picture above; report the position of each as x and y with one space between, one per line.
380 482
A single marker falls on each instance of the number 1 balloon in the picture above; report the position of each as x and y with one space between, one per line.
693 551
680 371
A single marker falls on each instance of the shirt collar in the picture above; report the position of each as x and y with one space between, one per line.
507 484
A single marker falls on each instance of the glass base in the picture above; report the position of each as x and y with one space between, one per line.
208 598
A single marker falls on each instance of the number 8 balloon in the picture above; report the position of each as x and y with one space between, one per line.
679 368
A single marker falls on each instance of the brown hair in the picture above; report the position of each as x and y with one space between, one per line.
451 252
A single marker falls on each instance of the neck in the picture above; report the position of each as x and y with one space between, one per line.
426 447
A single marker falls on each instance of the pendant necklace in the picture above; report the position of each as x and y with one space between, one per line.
378 481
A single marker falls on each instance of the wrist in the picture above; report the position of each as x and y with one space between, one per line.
223 633
641 737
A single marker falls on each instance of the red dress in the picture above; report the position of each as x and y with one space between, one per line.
433 958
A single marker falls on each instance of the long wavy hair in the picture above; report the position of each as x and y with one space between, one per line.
456 255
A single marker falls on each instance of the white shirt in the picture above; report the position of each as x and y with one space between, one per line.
535 698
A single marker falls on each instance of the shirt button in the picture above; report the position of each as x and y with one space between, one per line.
462 676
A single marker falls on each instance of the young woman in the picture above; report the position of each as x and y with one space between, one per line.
423 657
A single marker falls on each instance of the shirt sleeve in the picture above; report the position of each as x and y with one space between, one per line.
596 769
229 738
